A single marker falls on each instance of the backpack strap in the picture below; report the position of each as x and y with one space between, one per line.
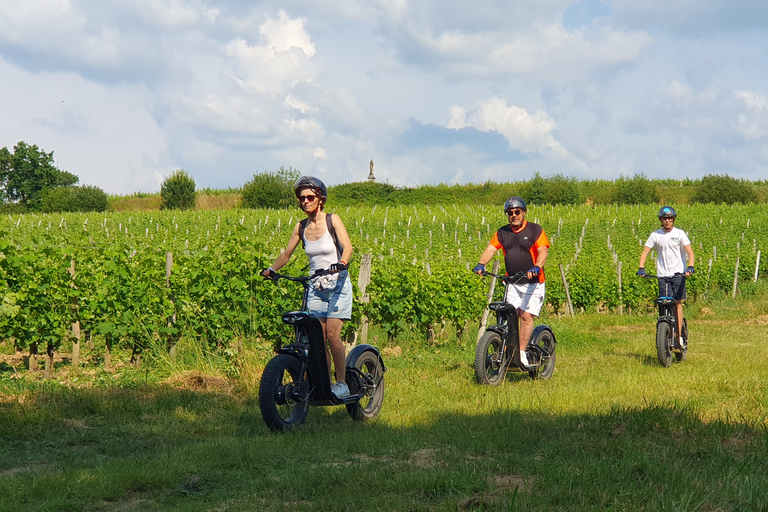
331 230
302 227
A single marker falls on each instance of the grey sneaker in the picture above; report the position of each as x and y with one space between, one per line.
340 390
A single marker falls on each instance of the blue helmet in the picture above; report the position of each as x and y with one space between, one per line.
667 212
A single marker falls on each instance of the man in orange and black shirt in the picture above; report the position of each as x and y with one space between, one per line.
525 247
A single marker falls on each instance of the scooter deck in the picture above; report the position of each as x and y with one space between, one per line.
334 400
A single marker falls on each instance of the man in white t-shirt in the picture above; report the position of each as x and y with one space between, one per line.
673 248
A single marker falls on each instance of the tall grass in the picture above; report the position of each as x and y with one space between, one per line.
611 430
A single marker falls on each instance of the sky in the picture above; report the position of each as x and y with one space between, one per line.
124 92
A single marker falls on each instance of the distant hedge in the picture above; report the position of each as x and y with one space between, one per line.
718 189
557 190
271 189
84 198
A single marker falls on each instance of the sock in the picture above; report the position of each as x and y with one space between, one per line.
523 358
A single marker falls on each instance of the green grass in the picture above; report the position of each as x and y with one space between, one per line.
612 430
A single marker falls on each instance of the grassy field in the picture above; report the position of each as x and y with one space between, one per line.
612 430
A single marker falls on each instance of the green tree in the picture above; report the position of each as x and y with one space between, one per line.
178 192
638 190
718 189
86 198
27 172
271 189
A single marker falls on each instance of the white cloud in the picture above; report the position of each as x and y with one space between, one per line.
126 91
282 60
529 133
753 123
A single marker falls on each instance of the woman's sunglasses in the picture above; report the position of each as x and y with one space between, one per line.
308 197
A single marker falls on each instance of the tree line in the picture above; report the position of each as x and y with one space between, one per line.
29 181
275 190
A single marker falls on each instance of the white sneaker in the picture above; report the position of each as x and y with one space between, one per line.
523 359
340 390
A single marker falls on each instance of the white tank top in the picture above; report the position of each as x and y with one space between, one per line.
321 252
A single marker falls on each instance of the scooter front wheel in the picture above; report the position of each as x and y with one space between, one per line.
490 363
664 344
371 383
680 356
280 407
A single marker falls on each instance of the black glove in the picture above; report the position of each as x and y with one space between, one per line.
535 271
268 273
641 272
479 268
338 267
689 270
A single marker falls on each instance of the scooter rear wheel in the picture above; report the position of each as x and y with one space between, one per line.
545 341
279 408
490 364
370 404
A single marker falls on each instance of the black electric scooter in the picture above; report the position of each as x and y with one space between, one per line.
498 348
298 377
667 334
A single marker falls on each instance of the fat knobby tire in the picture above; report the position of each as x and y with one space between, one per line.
370 404
546 341
279 411
487 369
664 344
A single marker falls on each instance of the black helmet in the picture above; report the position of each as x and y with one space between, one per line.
515 202
312 183
667 212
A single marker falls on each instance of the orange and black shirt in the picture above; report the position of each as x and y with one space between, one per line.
521 247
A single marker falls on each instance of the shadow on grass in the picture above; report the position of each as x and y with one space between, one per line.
167 448
644 359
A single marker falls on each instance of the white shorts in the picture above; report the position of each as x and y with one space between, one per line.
528 297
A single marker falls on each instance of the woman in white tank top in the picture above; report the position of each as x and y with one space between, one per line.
330 296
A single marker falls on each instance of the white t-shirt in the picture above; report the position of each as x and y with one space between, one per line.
670 252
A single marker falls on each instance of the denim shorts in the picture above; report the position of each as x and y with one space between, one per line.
335 302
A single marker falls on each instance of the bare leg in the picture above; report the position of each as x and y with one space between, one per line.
679 319
334 348
526 328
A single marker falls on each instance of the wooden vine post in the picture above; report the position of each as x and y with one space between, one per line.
757 267
76 319
621 301
735 279
33 357
49 355
172 318
486 311
567 292
363 280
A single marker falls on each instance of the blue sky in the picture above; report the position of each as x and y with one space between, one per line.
124 92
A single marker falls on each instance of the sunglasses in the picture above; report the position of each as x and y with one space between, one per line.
514 212
309 198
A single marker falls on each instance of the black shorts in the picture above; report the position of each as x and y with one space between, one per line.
672 287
